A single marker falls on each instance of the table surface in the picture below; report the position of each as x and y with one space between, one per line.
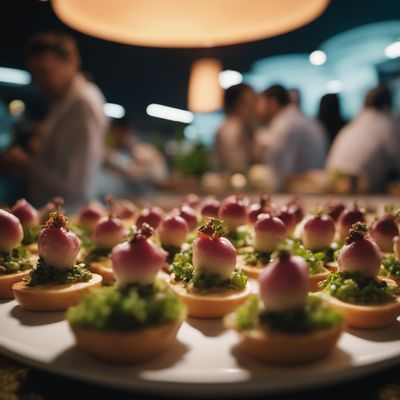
29 383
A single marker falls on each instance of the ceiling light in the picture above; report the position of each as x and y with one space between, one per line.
230 78
169 113
16 107
393 50
113 110
183 23
318 57
334 86
14 76
205 93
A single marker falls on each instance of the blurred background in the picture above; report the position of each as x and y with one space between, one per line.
114 102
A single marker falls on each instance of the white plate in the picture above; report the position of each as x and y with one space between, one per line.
204 360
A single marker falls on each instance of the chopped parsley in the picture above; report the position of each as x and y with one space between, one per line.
240 237
31 235
43 274
132 307
356 288
184 271
315 261
390 267
83 234
255 258
16 260
313 316
172 251
96 254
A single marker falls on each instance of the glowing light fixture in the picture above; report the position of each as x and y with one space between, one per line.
183 23
169 113
113 110
16 107
205 93
230 78
334 86
318 57
14 76
393 50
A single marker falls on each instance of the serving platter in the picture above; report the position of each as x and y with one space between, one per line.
204 360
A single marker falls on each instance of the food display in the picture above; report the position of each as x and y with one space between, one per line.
366 300
107 233
205 275
269 232
173 232
30 221
284 279
15 260
138 317
285 325
56 282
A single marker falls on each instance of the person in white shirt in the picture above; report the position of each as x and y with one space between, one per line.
71 151
233 142
370 145
294 143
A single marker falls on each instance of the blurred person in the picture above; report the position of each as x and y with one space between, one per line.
294 97
233 142
370 144
132 158
71 150
294 143
329 115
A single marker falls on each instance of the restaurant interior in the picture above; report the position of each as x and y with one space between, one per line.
199 198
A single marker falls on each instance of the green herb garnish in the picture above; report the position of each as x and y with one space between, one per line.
184 271
96 255
31 235
172 251
315 261
255 258
356 288
203 281
128 308
15 261
390 267
240 237
313 316
43 274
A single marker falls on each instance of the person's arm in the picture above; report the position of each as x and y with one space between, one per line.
74 173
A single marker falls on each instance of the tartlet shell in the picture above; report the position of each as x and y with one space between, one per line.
283 349
213 305
8 280
51 297
127 347
103 267
366 316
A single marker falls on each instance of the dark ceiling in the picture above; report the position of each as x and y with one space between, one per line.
137 76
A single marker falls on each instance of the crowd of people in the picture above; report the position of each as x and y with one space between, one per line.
267 128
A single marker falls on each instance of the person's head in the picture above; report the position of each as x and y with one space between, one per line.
329 107
53 60
275 97
379 98
329 114
121 130
240 100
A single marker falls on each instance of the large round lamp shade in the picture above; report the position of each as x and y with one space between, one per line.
186 23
